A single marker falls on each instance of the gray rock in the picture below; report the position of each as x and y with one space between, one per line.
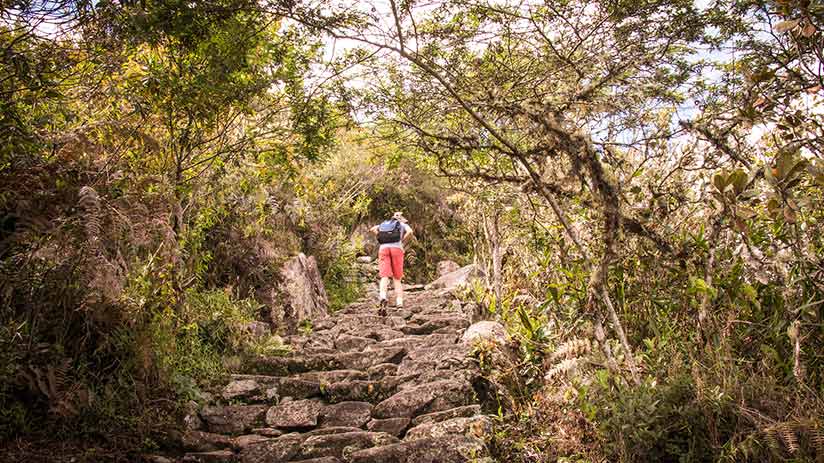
303 285
365 259
297 388
485 330
456 279
233 419
156 459
479 426
446 324
445 267
381 370
469 410
372 355
347 342
241 442
426 398
412 343
333 376
358 390
392 426
199 441
267 432
439 357
331 430
354 414
379 332
344 444
241 389
191 421
454 449
321 460
294 414
219 456
284 448
323 324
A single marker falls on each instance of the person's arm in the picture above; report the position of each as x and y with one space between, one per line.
374 230
408 233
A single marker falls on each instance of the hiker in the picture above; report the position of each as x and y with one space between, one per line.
392 234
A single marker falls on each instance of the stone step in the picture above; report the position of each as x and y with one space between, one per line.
426 398
439 357
458 412
302 363
358 387
436 325
446 449
300 447
233 419
479 426
373 391
219 456
373 385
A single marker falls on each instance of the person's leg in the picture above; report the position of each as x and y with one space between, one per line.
385 272
384 288
398 292
397 275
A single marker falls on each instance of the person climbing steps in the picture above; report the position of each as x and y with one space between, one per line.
391 235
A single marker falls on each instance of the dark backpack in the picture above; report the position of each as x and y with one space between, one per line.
390 231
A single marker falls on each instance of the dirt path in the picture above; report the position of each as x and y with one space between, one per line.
358 388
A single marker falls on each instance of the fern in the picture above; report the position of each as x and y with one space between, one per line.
817 438
564 367
572 348
64 396
772 439
89 202
794 438
569 358
787 434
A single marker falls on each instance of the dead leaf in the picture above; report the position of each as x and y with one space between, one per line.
789 215
785 26
808 31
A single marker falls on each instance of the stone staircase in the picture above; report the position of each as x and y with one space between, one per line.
359 388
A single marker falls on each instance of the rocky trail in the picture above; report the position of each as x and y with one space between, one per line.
358 388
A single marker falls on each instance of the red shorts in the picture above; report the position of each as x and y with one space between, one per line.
390 263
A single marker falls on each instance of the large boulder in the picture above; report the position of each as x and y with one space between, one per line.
487 331
303 286
447 266
457 279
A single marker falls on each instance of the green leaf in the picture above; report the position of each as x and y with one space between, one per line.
699 286
720 181
739 180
